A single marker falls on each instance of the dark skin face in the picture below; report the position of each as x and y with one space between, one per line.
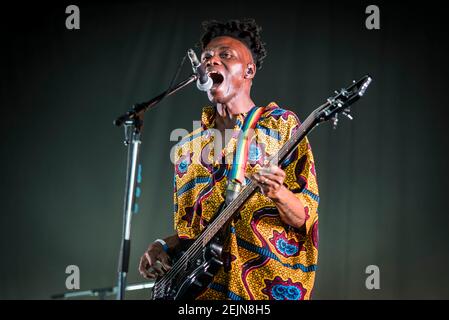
230 64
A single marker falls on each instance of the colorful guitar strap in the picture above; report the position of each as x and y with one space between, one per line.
236 176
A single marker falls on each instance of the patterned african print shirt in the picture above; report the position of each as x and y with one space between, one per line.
264 258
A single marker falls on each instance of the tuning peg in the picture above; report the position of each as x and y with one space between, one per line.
347 115
335 121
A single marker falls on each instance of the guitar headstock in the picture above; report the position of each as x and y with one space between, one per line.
342 100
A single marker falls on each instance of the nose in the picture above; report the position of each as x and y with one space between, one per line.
213 60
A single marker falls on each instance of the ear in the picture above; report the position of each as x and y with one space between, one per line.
250 71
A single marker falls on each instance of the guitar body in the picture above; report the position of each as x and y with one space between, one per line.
200 270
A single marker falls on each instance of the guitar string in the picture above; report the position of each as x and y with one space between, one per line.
181 275
285 151
217 224
198 245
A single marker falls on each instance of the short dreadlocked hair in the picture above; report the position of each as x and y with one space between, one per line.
245 30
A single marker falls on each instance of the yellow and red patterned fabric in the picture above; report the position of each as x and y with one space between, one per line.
264 258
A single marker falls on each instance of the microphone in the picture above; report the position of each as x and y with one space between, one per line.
204 82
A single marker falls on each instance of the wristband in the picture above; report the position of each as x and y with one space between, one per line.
163 243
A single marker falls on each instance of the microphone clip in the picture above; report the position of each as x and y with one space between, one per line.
204 82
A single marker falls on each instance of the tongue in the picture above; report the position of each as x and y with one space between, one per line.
217 79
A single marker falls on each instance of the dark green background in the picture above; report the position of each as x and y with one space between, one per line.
382 177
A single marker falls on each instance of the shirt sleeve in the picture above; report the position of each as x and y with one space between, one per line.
181 213
301 176
175 203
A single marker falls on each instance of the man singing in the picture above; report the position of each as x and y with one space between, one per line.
272 246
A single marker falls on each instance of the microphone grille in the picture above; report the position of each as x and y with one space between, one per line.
193 58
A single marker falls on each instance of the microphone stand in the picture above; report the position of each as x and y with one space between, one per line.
133 124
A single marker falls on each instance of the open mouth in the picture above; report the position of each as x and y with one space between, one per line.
217 78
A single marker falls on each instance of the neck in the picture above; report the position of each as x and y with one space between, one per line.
228 111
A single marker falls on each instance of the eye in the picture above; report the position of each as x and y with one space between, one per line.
226 55
206 56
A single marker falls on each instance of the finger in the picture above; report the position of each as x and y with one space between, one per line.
143 269
272 178
275 170
265 170
165 261
271 184
150 258
157 268
148 274
143 265
154 264
263 181
256 177
263 189
258 180
269 169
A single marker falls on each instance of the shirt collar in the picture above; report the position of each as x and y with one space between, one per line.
208 118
